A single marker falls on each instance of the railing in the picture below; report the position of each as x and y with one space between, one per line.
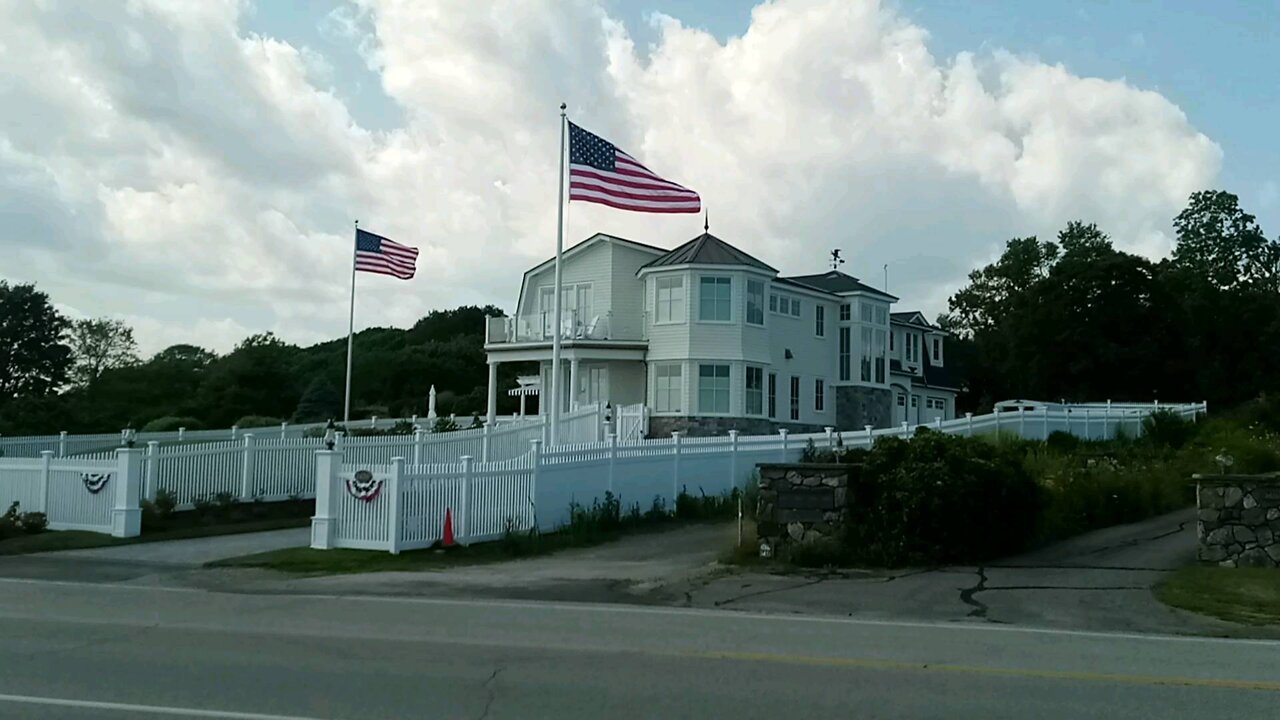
574 326
399 506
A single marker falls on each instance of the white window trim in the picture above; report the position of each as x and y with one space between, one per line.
764 391
697 394
746 301
698 312
820 308
682 394
819 394
685 315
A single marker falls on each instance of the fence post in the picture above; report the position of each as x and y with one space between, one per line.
536 450
151 482
613 457
463 528
1106 422
394 517
323 523
246 470
733 457
937 423
869 428
373 424
1022 422
126 514
62 444
181 434
46 475
905 431
235 432
968 424
675 470
1045 410
831 442
783 433
1087 436
484 443
417 446
284 430
414 420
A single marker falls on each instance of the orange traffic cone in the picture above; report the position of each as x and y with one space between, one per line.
447 539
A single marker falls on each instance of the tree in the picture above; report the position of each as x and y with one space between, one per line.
1220 242
192 356
999 287
34 360
320 401
98 345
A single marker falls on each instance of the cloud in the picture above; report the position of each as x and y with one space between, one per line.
160 163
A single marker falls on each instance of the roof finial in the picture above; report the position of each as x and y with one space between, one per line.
706 221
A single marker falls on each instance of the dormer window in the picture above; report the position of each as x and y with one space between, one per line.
937 350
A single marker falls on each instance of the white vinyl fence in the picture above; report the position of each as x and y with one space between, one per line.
399 506
76 494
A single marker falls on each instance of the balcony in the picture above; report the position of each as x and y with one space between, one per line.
538 328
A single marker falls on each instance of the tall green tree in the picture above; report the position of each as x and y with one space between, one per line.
1221 243
34 359
100 344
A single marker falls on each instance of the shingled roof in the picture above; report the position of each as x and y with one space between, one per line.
707 249
834 281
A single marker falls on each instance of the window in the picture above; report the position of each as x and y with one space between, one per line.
784 304
845 310
713 389
882 315
713 299
866 312
902 400
877 350
755 302
819 395
795 397
755 390
864 373
937 350
892 335
820 320
915 399
773 395
668 388
773 303
670 300
911 347
795 307
844 353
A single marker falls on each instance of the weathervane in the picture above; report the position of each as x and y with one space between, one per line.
836 260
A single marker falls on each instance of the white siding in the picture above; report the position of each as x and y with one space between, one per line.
616 293
627 383
627 291
812 357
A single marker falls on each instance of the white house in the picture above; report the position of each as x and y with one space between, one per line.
711 338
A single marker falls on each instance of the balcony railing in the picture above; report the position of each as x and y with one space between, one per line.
539 328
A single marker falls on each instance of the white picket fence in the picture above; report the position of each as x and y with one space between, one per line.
400 506
77 494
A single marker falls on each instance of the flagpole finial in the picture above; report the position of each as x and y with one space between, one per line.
562 108
706 221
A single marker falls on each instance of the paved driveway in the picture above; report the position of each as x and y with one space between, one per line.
191 553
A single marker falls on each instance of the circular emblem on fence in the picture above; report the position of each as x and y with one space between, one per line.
363 486
94 482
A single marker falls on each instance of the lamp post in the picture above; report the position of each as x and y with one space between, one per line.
130 437
330 435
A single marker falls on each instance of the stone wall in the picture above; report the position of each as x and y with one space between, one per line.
801 504
1239 521
660 427
857 407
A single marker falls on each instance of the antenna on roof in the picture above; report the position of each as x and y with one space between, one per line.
886 277
836 260
706 221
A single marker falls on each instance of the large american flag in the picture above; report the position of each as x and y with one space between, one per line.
376 254
601 173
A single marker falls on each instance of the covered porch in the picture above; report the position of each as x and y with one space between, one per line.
609 372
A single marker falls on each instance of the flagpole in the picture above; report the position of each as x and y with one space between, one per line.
351 326
556 328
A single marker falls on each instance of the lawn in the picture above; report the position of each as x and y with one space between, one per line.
1250 596
78 539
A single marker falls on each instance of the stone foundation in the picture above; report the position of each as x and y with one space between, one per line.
1239 519
857 407
801 504
661 427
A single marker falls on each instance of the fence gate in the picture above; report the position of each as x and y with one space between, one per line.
632 422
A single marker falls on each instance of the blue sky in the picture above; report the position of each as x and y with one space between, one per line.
1216 61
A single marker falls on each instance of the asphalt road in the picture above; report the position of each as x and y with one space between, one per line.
110 651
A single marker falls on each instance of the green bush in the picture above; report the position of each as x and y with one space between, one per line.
33 523
444 424
940 499
1165 429
171 423
9 525
258 421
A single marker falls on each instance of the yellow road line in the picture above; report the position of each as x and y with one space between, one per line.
869 664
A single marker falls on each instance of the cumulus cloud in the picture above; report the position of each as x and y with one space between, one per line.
159 162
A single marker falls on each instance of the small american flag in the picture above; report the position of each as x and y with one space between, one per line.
601 173
376 254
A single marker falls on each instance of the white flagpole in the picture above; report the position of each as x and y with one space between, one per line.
555 328
351 327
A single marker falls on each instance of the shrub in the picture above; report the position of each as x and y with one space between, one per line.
1165 429
444 424
171 423
33 523
258 421
940 499
9 522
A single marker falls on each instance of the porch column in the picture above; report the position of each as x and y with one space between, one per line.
493 392
522 397
573 384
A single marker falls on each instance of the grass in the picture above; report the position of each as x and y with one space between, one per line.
1250 596
78 539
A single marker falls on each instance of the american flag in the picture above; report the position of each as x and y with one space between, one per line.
376 254
601 173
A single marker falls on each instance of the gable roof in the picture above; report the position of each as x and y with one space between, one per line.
836 282
598 237
913 317
707 249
